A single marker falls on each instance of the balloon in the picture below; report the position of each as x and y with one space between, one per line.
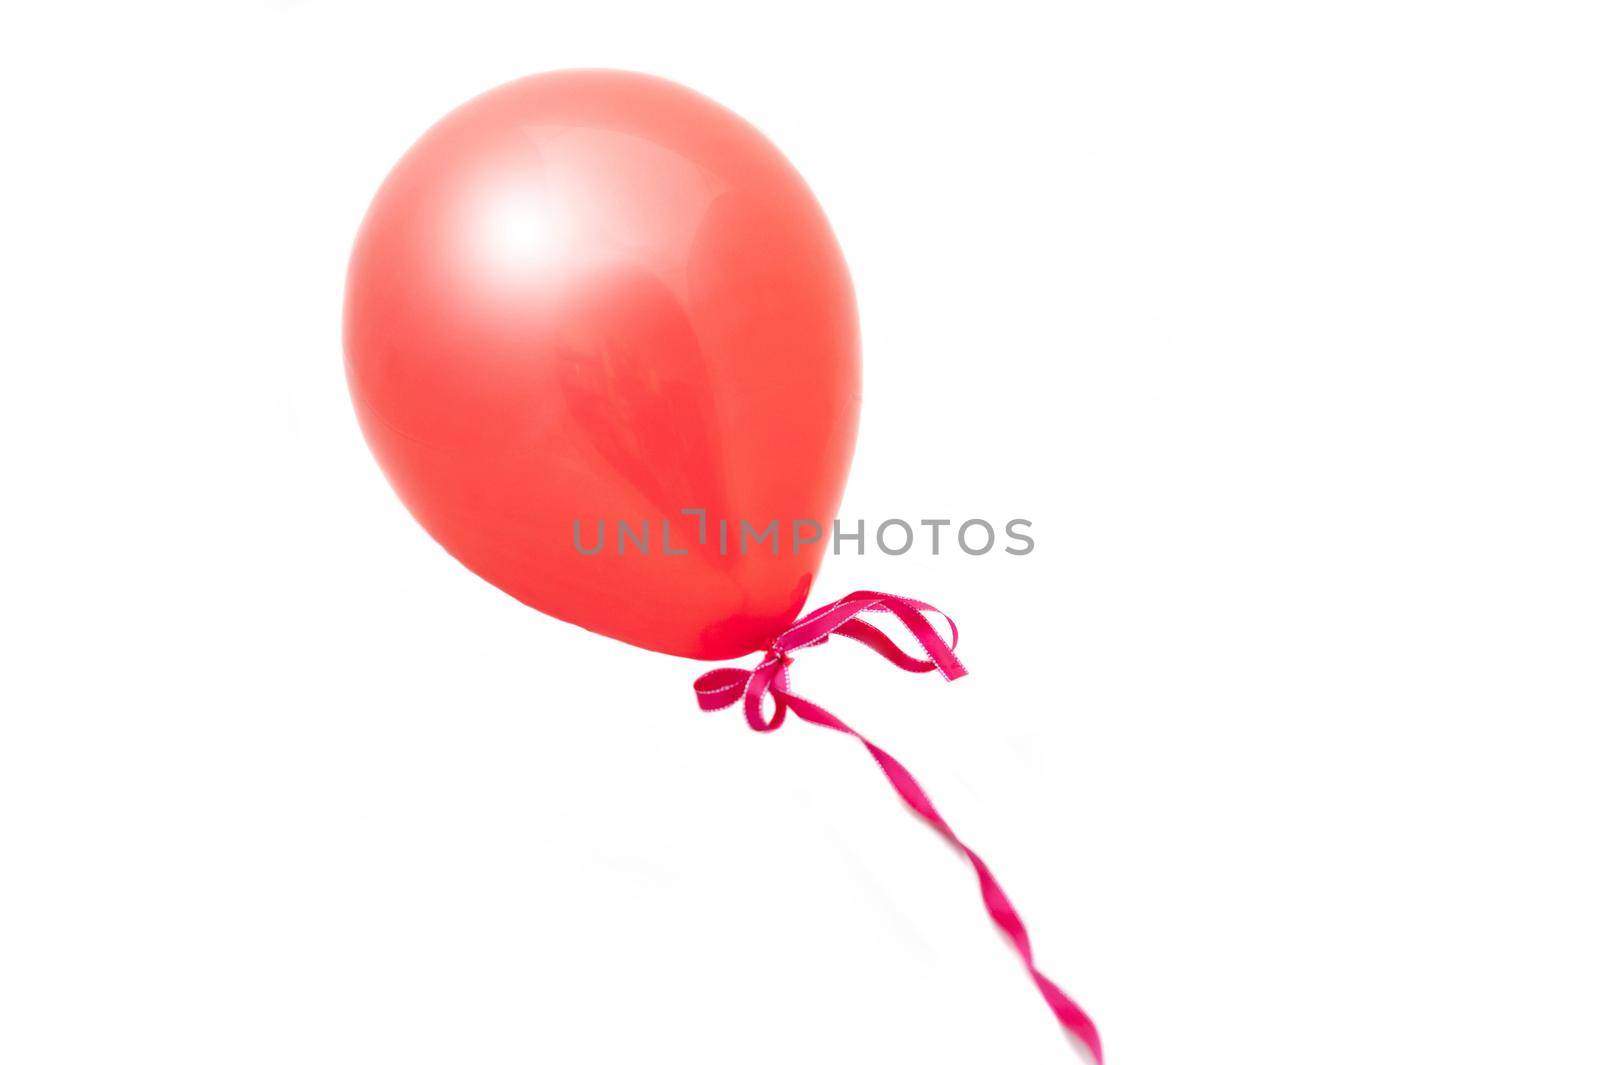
593 304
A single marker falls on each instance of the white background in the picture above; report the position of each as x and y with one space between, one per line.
1279 321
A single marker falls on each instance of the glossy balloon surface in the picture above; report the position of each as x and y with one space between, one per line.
598 297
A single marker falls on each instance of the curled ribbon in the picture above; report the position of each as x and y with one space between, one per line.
722 688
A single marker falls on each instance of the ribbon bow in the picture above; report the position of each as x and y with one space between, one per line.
721 688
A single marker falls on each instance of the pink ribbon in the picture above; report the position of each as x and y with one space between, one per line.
721 688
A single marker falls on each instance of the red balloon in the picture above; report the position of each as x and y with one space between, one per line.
589 298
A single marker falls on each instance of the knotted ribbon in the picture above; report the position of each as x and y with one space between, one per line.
722 688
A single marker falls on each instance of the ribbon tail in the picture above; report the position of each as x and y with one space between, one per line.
1070 1015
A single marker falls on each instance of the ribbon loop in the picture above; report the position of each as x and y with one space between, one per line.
722 688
